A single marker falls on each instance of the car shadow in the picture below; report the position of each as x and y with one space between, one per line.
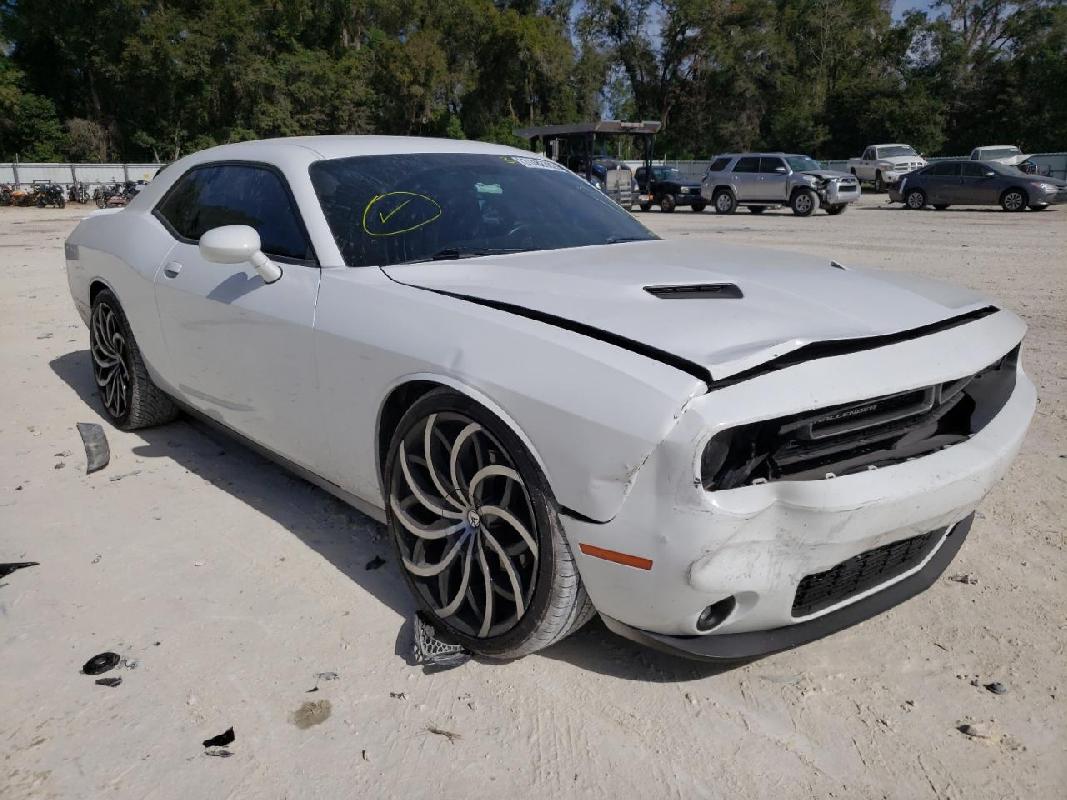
307 512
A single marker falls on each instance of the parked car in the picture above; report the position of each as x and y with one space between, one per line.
768 180
973 183
1007 154
885 164
668 190
724 451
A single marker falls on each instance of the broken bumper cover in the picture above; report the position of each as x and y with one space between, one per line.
754 644
758 543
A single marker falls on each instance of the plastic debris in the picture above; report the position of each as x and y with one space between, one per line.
100 663
222 739
376 563
433 651
108 682
996 687
218 752
7 569
97 452
450 735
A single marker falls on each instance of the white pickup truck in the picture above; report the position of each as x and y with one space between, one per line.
885 164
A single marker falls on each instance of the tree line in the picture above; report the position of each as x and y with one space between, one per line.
99 80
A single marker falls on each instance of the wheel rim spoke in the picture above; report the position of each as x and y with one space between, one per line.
109 354
470 547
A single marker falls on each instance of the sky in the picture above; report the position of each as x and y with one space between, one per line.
902 6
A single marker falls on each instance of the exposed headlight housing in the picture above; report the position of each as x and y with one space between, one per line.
1048 187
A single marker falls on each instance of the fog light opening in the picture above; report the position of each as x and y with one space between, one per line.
714 615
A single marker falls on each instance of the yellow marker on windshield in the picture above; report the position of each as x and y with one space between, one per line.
421 210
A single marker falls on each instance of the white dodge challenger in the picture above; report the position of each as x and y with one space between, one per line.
723 451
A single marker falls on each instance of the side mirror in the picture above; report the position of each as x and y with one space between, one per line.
780 169
990 174
237 244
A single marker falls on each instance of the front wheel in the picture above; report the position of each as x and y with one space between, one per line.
834 210
477 530
803 203
915 199
1013 200
131 400
725 202
646 206
879 184
667 204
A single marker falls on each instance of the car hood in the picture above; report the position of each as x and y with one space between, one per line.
902 160
826 173
788 300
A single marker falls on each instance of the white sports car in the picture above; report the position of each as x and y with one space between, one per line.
723 451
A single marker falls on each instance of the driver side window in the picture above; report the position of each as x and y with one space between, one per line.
869 154
210 196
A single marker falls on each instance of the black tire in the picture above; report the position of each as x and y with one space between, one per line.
554 603
757 209
725 202
1039 207
834 210
667 204
135 401
803 203
40 202
915 199
62 202
879 184
699 207
940 206
646 206
1014 200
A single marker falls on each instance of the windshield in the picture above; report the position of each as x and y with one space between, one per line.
999 152
802 164
896 150
666 173
390 209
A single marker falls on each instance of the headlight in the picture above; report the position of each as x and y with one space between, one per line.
684 190
1048 187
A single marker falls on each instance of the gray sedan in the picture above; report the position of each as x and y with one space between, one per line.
976 183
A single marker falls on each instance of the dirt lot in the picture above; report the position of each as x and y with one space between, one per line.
232 584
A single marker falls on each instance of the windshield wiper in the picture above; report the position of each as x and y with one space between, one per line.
621 239
455 253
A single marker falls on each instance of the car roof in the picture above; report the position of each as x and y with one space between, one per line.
343 146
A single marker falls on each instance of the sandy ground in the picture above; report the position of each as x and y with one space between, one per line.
231 584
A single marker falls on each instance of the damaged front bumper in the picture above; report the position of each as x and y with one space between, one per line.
756 546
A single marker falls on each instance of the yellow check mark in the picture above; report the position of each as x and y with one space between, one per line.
389 216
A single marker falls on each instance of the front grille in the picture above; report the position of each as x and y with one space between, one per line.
862 573
865 435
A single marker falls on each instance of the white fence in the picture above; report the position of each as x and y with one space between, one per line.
25 174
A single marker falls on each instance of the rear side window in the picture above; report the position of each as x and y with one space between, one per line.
975 170
747 164
772 164
237 194
945 169
718 165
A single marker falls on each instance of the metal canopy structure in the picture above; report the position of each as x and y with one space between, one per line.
580 137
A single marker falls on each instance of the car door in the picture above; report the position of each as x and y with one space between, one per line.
241 351
941 182
867 164
745 178
978 184
774 179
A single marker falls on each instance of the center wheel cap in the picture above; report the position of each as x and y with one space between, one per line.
473 519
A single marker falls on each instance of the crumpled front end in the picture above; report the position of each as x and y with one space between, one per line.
780 549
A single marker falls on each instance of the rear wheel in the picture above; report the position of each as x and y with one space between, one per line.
915 199
130 398
477 530
1013 200
700 206
803 203
725 202
879 184
667 204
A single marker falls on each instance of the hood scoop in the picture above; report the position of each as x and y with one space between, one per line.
697 291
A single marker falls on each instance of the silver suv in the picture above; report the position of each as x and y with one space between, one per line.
770 180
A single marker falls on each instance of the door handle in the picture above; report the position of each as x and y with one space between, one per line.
172 270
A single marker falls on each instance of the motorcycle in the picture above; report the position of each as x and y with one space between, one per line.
6 192
50 194
102 194
78 193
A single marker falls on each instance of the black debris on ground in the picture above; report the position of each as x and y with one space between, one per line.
996 687
112 682
432 650
7 569
97 452
101 663
450 735
221 740
376 563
